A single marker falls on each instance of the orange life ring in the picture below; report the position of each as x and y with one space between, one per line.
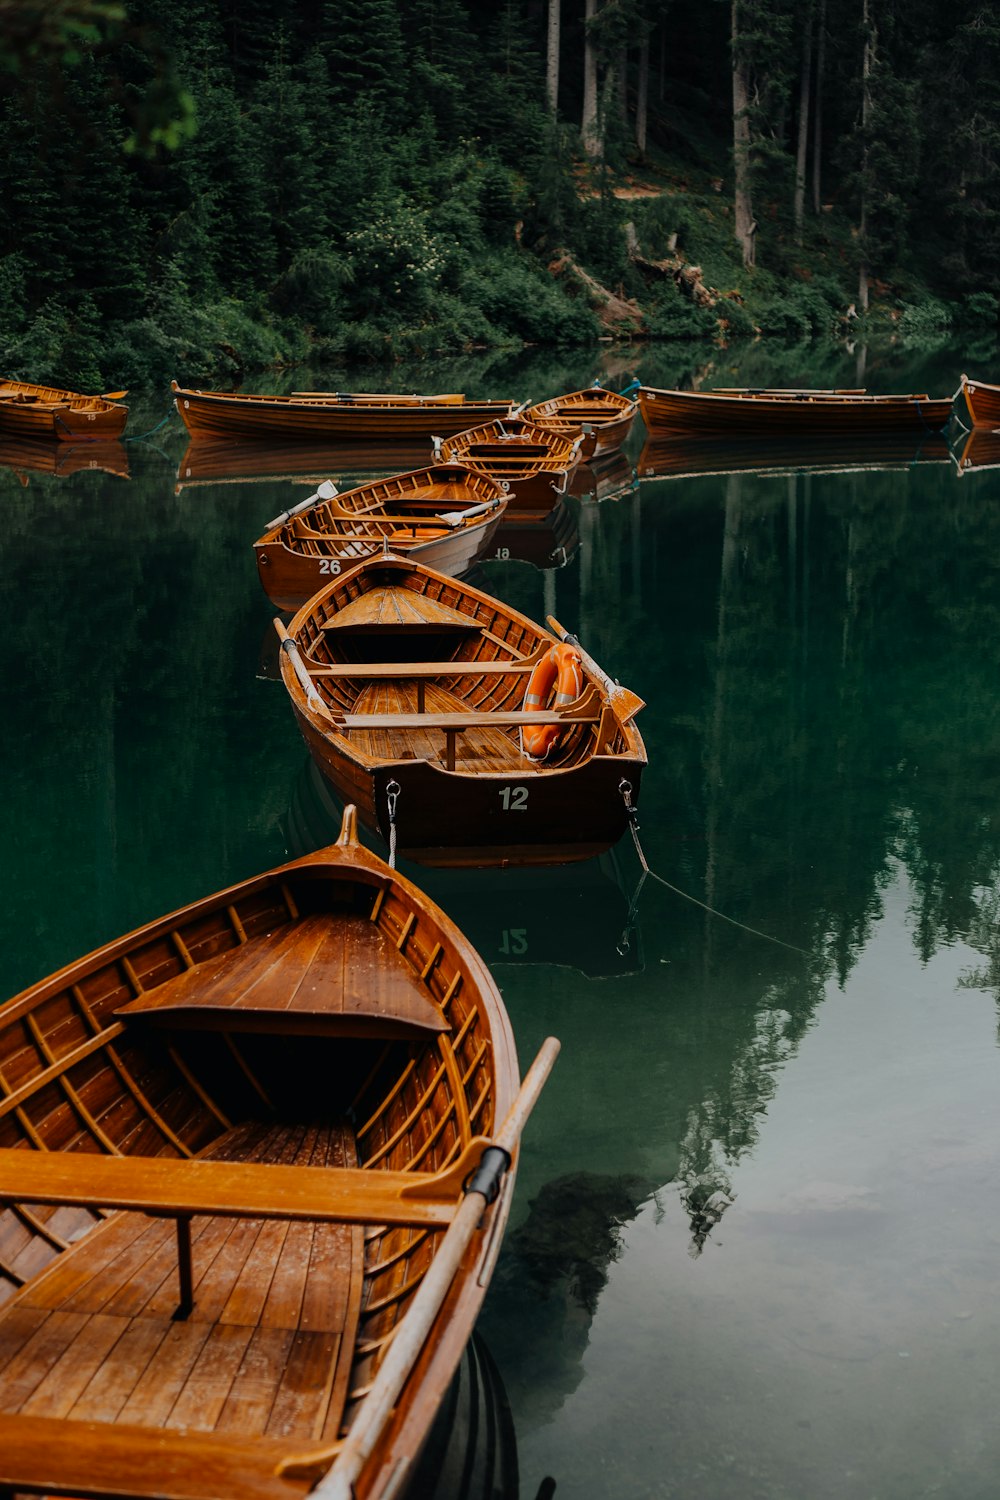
562 666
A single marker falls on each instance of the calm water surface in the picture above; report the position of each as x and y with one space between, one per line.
755 1247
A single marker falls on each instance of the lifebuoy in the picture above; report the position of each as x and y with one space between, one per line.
561 665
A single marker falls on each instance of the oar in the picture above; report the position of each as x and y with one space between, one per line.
456 517
113 395
291 649
326 491
625 703
411 1333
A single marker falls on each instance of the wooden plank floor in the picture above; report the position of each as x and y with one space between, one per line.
266 1351
490 750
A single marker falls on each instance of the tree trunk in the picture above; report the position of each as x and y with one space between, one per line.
552 73
642 97
803 141
590 129
818 111
746 226
867 65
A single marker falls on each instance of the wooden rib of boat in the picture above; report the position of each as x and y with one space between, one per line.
602 419
241 461
533 462
240 1248
982 400
49 456
774 413
684 457
330 417
45 411
444 516
409 689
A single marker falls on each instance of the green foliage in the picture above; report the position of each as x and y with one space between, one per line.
674 316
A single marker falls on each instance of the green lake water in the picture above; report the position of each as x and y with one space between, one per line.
754 1252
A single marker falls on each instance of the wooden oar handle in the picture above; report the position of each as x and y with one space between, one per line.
527 1096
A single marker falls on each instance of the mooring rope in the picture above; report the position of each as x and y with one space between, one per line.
140 435
392 790
625 788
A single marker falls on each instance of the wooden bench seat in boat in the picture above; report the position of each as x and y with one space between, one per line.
371 670
167 1187
47 1454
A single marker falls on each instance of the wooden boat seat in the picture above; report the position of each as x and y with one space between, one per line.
370 670
95 1344
316 979
47 1455
180 1187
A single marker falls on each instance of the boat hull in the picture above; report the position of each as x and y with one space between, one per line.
493 820
983 402
217 414
773 415
39 411
290 578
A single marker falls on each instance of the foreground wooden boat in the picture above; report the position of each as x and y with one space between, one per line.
309 1066
444 516
982 401
687 457
534 463
45 411
774 413
601 418
325 417
414 695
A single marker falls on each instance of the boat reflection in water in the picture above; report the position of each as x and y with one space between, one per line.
544 541
576 916
50 456
471 1450
606 476
979 449
688 457
239 461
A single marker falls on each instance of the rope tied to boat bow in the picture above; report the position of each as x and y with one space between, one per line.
392 791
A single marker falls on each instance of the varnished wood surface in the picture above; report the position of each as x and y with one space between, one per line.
277 1149
468 793
982 401
534 463
434 515
602 419
774 413
41 411
221 414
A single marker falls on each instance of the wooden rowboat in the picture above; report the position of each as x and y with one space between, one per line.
982 400
444 516
324 417
409 689
602 418
308 1065
774 413
534 463
45 411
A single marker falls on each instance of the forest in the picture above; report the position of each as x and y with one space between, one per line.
206 188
